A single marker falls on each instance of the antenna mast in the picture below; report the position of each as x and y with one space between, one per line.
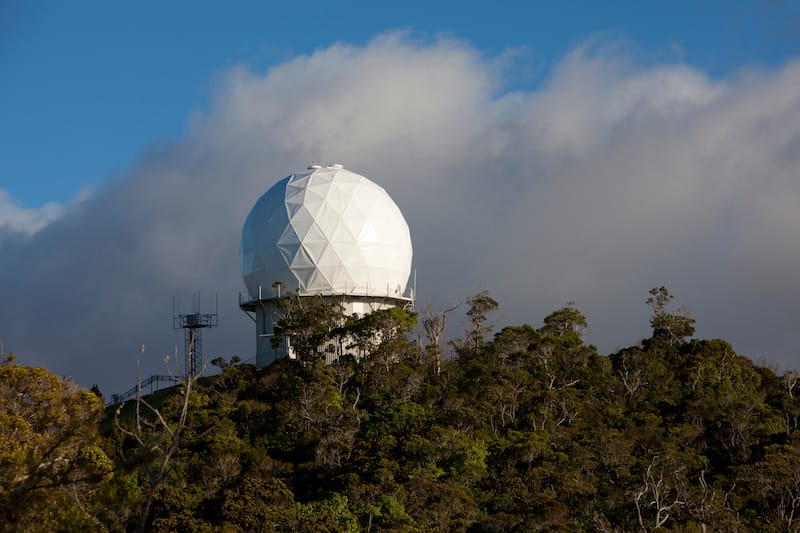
193 325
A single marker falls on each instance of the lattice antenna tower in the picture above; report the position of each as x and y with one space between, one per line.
193 325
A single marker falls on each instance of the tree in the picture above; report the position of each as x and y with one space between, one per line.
774 486
663 488
434 324
260 502
382 334
532 430
515 342
480 306
50 454
566 322
158 433
308 323
673 326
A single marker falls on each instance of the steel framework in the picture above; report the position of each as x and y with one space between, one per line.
193 325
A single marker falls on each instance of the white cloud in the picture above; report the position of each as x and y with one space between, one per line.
15 218
608 179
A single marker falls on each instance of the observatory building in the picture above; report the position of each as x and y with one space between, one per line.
325 232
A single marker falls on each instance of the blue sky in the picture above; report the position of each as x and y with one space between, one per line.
90 84
545 152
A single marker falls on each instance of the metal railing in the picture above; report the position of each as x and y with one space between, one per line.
155 380
149 382
355 290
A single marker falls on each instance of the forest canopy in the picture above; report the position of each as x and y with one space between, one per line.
510 429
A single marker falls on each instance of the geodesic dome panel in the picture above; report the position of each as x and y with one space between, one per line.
326 231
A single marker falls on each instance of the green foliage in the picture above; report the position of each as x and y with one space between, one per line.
381 335
51 460
531 430
480 306
331 514
671 327
309 322
567 323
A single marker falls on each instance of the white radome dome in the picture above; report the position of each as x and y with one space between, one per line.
326 231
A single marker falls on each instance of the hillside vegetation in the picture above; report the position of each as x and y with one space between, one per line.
526 430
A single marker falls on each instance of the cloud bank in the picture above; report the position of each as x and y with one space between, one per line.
604 181
21 220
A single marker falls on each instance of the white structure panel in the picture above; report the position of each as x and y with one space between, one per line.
326 231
